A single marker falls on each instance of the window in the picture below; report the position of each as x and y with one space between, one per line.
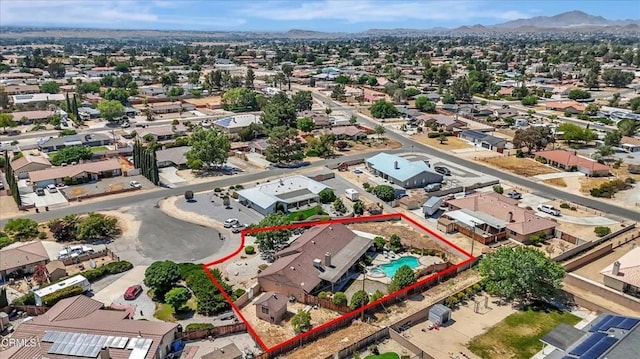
265 310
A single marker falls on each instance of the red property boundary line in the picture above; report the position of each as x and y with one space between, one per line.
352 313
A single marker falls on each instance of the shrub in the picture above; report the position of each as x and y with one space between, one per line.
188 195
42 235
340 299
520 153
239 186
110 268
249 250
602 231
238 293
198 326
498 189
234 195
27 299
366 185
323 295
565 206
217 190
53 298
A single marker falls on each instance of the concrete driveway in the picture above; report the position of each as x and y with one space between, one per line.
49 199
169 177
115 290
207 204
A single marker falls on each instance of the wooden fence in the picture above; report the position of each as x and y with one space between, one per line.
324 303
81 258
212 332
31 310
346 352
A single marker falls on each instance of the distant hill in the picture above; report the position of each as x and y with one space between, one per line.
572 21
566 19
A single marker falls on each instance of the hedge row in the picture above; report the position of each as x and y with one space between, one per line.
111 268
53 298
198 326
438 134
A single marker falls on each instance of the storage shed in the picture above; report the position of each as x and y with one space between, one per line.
439 314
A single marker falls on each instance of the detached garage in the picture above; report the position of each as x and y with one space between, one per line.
439 314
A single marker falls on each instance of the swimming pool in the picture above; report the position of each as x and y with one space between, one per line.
390 269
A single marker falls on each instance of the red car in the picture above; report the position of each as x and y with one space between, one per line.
133 292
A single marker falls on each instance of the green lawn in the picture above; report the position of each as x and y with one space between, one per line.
518 335
296 216
389 355
164 312
99 149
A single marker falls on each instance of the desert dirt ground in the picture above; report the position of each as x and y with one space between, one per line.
409 235
273 334
592 270
558 182
520 166
344 337
452 143
589 183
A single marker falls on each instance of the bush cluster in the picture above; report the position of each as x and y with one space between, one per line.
198 326
53 298
110 268
609 189
438 134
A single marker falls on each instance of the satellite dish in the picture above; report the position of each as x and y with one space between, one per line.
92 264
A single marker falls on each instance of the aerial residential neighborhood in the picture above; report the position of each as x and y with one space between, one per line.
320 179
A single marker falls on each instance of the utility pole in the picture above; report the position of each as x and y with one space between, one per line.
473 236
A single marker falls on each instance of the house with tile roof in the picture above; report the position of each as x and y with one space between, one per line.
22 257
290 193
80 327
489 217
623 275
570 161
319 260
402 172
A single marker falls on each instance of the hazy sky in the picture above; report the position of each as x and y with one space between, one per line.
321 15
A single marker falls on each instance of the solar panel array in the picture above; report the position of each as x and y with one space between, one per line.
614 321
587 344
80 344
597 350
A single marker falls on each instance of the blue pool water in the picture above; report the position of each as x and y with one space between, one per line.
390 269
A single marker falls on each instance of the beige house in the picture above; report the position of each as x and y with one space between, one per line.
25 258
271 307
623 275
29 163
56 270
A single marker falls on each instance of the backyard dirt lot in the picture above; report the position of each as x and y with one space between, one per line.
558 182
385 144
273 334
409 235
520 166
589 183
452 143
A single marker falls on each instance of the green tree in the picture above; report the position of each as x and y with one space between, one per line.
379 243
383 109
529 101
340 299
339 206
448 99
629 127
358 207
240 99
591 80
279 111
161 276
302 100
305 124
111 110
6 120
617 78
359 299
50 87
272 240
177 297
442 138
56 70
394 243
71 154
287 70
376 295
572 132
96 226
385 192
425 105
379 130
249 78
404 277
21 228
327 196
284 146
534 138
461 90
338 92
175 92
579 94
521 273
634 104
301 321
209 147
612 138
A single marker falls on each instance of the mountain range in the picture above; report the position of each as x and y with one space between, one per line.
567 22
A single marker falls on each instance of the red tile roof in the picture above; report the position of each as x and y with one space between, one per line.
569 159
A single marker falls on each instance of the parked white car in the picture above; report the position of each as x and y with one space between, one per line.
231 222
135 184
549 209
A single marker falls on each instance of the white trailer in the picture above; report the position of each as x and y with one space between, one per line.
75 280
352 194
